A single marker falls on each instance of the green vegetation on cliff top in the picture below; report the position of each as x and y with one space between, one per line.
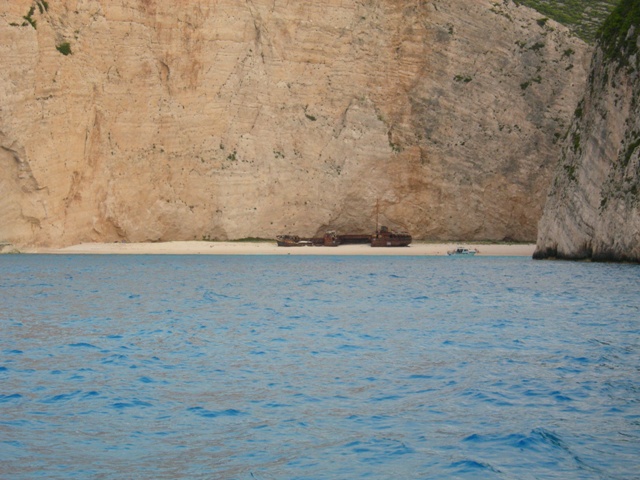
584 17
613 34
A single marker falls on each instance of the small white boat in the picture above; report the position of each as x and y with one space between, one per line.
463 251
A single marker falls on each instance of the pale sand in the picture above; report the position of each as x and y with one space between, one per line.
270 248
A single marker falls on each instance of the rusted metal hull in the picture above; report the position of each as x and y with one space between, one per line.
393 240
382 238
355 239
386 238
331 239
292 241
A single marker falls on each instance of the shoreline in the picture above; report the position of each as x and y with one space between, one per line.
271 248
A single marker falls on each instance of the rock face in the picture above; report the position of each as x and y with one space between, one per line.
593 209
143 120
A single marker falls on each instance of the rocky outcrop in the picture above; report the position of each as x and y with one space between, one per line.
143 120
593 209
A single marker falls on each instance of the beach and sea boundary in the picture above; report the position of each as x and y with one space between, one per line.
270 248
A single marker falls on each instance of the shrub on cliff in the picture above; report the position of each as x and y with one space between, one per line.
614 36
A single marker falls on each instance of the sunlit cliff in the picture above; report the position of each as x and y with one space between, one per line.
142 120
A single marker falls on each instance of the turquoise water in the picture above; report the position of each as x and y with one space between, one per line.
282 367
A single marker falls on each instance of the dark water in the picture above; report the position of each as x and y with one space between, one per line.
281 367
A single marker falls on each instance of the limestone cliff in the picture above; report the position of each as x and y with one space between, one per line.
593 209
143 120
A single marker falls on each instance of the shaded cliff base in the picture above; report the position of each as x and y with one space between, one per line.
586 253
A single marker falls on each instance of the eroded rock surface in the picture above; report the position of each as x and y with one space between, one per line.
593 209
143 120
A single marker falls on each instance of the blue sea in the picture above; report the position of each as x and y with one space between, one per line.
318 367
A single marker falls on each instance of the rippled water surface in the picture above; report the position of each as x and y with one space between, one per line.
282 367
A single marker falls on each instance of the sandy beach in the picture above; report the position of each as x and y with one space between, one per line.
270 248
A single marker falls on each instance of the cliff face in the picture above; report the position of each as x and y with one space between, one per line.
593 209
143 120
